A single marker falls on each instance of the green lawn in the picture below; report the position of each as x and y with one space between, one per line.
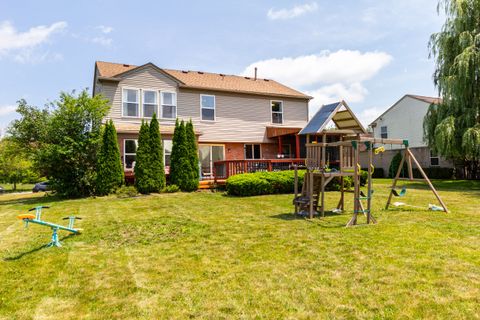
206 255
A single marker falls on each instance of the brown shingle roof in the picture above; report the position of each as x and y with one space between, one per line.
211 81
429 100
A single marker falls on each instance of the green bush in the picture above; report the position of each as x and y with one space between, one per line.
260 183
126 192
171 189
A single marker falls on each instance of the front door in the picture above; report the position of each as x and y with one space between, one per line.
208 155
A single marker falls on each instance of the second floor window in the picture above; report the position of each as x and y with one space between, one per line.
130 103
277 112
207 107
169 105
150 104
252 151
383 132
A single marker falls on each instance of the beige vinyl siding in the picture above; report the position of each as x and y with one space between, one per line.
147 78
238 117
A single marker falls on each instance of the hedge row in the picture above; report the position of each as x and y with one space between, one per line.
260 183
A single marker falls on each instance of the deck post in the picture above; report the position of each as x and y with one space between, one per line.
279 145
297 146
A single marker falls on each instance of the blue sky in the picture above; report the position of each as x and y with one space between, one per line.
369 53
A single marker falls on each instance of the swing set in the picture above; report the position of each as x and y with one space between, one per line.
338 155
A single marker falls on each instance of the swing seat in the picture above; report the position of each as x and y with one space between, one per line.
402 192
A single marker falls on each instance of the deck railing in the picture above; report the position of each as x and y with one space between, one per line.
226 168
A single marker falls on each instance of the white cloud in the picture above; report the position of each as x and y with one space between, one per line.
13 40
294 12
104 41
104 29
327 76
6 110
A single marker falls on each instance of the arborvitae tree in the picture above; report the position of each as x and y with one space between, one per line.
394 164
174 153
109 166
156 155
191 143
182 174
144 181
453 127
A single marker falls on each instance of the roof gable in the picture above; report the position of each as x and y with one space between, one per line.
338 113
427 100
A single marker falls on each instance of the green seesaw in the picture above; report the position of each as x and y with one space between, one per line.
37 218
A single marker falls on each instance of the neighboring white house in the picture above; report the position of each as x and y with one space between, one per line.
404 120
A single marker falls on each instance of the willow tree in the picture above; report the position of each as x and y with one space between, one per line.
453 127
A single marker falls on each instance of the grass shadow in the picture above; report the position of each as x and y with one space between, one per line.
33 250
32 200
293 216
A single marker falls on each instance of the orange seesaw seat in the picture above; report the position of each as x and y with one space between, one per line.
26 216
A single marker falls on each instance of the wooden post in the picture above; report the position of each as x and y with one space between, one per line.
279 145
409 164
324 150
427 180
297 146
296 188
369 194
322 191
310 192
356 185
396 178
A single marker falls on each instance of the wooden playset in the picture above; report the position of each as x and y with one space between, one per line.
335 139
37 219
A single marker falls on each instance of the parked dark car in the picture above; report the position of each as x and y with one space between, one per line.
41 186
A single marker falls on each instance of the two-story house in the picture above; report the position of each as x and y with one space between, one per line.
404 120
235 117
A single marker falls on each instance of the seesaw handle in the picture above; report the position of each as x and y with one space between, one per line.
76 218
42 207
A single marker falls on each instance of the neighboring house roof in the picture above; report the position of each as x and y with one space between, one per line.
207 80
429 100
338 112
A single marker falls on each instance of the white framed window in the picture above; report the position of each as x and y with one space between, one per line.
277 111
434 159
383 132
253 151
169 105
167 152
130 102
129 153
207 107
150 103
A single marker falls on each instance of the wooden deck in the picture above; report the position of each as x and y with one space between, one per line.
228 168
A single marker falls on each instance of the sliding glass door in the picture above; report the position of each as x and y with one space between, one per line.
208 155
